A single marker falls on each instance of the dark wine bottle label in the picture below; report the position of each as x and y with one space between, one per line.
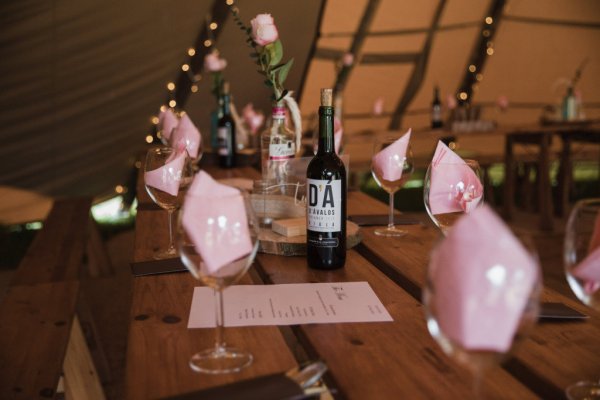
324 210
436 113
224 137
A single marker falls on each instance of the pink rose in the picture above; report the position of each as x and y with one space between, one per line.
252 118
450 102
214 63
378 106
348 59
264 30
502 103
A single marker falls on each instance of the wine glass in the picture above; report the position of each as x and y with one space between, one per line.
169 176
196 249
450 190
466 305
582 268
391 176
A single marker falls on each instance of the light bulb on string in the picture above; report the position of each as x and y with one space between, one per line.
194 88
185 67
154 120
213 26
172 103
472 68
149 139
191 52
171 86
207 43
489 20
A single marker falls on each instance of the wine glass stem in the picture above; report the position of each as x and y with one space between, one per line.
219 344
170 216
391 218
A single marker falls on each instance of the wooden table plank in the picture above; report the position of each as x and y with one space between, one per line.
387 360
30 367
160 344
558 354
57 251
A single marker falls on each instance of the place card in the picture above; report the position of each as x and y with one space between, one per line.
289 304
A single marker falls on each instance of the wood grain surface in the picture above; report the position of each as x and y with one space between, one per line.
160 344
555 355
391 360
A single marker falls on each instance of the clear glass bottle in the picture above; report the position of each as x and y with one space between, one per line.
278 145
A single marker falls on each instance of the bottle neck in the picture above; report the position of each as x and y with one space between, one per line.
278 116
226 107
326 145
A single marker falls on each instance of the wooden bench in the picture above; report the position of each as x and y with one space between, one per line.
40 332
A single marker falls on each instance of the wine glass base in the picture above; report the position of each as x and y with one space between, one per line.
583 390
164 254
222 361
390 232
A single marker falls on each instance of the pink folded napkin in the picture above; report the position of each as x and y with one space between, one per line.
482 277
589 269
454 185
214 217
167 122
389 162
168 177
187 136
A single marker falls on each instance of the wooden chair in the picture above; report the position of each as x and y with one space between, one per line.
543 140
565 171
40 331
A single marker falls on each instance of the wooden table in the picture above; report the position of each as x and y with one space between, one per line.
366 360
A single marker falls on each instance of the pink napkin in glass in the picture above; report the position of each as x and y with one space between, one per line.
483 278
168 177
389 162
187 136
214 217
167 122
454 185
589 269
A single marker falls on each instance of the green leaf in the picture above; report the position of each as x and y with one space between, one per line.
268 83
275 50
248 30
283 70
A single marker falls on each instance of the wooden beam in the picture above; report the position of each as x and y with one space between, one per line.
218 14
411 31
479 53
357 43
369 58
313 49
418 74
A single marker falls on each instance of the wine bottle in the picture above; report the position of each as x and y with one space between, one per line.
278 144
436 110
226 132
326 192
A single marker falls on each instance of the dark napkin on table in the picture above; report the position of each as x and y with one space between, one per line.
382 220
148 207
559 311
270 387
153 267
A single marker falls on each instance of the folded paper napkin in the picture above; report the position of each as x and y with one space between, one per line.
167 122
187 136
168 177
214 217
389 162
589 269
454 185
482 277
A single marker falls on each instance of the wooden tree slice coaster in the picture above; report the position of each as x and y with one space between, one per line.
274 243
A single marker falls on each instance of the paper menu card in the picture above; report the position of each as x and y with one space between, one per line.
289 304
